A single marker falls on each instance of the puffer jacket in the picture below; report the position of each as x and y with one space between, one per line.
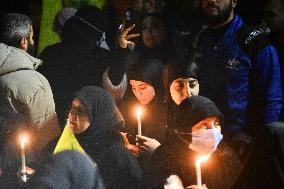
28 92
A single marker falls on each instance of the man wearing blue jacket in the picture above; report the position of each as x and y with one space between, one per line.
239 71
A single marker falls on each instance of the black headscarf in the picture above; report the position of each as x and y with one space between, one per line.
103 141
193 110
149 70
103 112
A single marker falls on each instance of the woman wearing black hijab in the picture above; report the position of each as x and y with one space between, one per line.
145 79
197 133
96 122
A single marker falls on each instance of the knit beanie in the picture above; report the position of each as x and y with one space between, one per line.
148 70
193 110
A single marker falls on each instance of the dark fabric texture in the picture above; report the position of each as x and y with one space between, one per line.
263 165
193 110
103 141
66 170
81 30
77 61
174 157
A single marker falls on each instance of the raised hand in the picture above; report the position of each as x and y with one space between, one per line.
124 37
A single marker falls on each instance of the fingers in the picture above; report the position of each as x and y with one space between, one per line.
142 137
197 187
130 43
129 28
131 36
124 31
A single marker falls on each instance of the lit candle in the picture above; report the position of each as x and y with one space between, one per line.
198 161
23 158
139 121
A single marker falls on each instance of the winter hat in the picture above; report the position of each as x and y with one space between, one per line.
193 110
149 70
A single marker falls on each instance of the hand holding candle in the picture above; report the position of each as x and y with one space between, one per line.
139 120
198 161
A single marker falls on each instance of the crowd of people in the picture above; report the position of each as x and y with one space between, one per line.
133 99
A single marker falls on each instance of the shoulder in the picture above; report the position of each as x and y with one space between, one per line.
25 84
252 40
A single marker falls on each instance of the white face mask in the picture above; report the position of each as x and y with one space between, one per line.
206 141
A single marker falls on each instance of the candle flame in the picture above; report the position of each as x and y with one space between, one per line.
24 139
202 158
139 112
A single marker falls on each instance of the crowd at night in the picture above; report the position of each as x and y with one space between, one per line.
142 94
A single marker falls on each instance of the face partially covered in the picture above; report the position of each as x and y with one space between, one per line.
78 117
183 88
203 125
153 32
144 92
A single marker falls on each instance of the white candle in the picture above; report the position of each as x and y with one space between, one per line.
198 161
139 121
23 157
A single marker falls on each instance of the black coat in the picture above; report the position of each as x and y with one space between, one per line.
174 157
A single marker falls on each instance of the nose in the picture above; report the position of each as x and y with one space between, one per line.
72 116
187 89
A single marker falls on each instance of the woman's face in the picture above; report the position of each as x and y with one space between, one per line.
78 117
153 32
182 88
144 92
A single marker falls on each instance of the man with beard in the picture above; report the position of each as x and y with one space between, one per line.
22 88
239 71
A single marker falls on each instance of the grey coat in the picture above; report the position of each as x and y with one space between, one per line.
28 92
